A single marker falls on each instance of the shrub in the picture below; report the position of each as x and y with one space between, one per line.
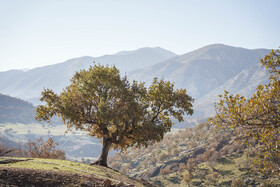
165 171
40 149
237 183
162 157
212 178
187 177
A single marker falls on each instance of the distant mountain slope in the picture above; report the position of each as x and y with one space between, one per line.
202 70
244 83
131 60
13 110
207 72
28 85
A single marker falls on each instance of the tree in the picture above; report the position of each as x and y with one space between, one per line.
109 107
212 178
257 117
187 177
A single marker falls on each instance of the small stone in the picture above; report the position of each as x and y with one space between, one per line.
107 183
247 181
120 184
89 184
263 177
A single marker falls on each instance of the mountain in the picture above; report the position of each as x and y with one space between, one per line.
206 72
244 83
14 110
28 85
202 70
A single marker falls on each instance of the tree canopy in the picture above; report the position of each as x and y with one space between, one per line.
109 107
257 117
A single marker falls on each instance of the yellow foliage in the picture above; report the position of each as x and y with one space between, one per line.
257 117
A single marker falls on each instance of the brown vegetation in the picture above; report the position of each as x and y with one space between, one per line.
36 148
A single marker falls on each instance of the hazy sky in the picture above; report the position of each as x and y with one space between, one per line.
35 33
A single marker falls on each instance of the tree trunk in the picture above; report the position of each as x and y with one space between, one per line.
102 161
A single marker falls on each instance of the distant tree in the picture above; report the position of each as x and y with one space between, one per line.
192 144
175 151
165 171
257 117
124 169
191 164
163 156
109 107
212 178
182 166
237 183
187 177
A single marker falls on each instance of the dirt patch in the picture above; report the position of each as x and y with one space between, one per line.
11 161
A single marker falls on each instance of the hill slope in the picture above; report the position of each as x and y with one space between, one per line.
244 83
209 156
50 172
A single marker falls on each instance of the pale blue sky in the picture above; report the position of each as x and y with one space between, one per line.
35 33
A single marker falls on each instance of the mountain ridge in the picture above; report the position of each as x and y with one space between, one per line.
28 85
200 72
213 65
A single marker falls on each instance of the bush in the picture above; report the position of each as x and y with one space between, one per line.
39 149
163 156
165 171
34 149
187 177
237 183
212 178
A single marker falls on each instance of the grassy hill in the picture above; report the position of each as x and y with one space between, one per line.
51 172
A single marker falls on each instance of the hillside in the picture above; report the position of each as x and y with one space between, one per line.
14 110
244 83
51 172
199 156
28 85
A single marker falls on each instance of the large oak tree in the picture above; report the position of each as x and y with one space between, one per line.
109 107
